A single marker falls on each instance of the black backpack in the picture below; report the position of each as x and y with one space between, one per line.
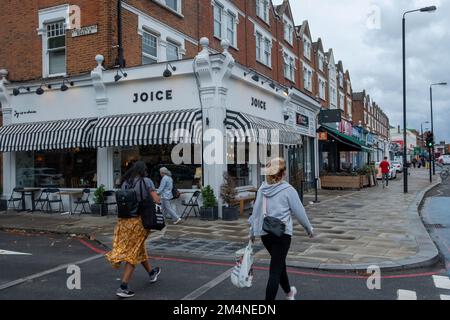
127 203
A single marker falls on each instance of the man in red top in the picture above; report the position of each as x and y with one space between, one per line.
385 166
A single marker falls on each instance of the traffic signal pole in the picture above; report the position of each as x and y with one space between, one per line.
431 169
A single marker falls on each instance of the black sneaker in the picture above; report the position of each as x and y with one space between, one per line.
124 293
154 274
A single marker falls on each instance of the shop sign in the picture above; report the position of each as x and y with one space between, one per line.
323 136
17 114
84 31
259 103
302 120
153 96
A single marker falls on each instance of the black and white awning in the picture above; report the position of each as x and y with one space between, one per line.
52 135
244 127
184 126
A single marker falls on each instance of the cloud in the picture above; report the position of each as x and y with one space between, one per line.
374 55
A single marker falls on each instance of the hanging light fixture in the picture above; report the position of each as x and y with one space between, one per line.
167 73
16 91
117 77
64 87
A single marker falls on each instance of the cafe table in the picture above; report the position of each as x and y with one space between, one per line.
71 194
28 192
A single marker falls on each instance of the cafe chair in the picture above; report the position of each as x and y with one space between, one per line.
192 204
83 201
109 199
42 199
54 196
16 196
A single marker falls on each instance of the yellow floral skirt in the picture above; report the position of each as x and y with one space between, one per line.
129 243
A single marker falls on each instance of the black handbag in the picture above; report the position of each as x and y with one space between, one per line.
127 203
151 215
272 225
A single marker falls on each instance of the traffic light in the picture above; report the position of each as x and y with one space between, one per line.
430 140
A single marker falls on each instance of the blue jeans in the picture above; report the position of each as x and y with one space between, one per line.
167 209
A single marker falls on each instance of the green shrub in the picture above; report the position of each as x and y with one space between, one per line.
98 194
209 199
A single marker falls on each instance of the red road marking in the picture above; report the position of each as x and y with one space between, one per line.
303 273
96 250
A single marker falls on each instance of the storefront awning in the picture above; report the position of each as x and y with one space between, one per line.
259 130
53 135
148 129
352 142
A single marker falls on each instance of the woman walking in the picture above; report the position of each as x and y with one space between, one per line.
130 235
165 192
278 199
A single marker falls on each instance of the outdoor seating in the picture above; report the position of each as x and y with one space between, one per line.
54 196
14 198
42 199
190 205
83 201
109 199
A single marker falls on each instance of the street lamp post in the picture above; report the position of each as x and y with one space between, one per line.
405 163
432 127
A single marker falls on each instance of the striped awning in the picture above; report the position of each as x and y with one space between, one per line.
52 135
244 127
184 126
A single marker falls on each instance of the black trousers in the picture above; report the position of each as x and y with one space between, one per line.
278 249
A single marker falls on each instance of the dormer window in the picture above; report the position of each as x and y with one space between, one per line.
288 32
307 48
262 9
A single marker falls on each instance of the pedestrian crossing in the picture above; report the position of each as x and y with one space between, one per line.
440 283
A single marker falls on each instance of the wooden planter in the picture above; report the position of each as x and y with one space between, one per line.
342 182
365 182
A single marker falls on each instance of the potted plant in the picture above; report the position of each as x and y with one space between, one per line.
228 193
208 210
99 207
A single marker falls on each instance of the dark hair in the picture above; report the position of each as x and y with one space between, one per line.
385 158
137 170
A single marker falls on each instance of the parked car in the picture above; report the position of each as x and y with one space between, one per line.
392 172
444 159
397 165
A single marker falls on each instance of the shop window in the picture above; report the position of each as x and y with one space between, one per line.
238 163
149 48
56 47
74 168
186 176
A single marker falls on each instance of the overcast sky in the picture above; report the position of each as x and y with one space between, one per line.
369 45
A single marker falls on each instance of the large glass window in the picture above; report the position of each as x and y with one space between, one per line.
74 168
56 47
186 176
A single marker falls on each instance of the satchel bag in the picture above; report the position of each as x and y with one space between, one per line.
151 215
272 225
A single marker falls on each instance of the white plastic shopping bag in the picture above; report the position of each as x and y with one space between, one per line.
242 275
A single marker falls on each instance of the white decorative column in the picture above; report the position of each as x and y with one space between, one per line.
104 155
212 72
9 160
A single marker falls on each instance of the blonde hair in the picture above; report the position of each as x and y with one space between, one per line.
276 168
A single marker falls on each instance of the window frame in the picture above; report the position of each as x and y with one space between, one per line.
225 14
178 11
148 55
57 49
178 49
289 66
288 32
263 10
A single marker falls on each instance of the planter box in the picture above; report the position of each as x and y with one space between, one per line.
209 213
365 181
99 209
230 213
342 182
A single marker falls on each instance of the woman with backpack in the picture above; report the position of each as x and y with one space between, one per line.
165 191
275 203
130 235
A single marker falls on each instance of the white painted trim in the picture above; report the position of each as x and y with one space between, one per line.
148 20
178 12
46 16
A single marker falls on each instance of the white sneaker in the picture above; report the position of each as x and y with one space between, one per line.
178 221
291 295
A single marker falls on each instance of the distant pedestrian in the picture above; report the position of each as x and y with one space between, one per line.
385 167
414 162
276 198
166 194
130 235
423 162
